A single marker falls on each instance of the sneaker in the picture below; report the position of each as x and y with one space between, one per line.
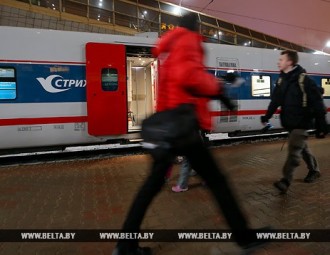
177 189
312 176
137 251
282 185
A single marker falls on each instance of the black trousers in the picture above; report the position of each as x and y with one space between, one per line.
204 164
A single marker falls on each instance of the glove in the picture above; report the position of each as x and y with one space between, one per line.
263 119
228 102
321 126
319 135
230 77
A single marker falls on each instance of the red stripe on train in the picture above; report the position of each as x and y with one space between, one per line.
244 113
73 119
39 121
239 113
41 62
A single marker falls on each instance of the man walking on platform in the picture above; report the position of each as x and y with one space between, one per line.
300 101
183 80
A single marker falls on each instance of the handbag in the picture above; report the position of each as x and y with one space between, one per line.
172 128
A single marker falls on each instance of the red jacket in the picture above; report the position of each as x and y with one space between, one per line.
182 74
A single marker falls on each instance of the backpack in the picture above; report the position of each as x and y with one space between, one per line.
318 117
301 80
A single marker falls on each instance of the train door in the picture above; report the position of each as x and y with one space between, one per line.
106 89
141 86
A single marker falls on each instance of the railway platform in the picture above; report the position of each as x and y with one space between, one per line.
94 194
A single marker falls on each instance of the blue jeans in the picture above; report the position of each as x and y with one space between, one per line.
184 174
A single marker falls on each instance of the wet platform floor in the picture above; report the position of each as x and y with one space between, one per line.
96 194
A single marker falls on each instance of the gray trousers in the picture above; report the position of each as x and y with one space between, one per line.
297 143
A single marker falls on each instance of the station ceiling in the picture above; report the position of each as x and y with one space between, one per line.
304 22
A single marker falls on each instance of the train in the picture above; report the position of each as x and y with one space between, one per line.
64 88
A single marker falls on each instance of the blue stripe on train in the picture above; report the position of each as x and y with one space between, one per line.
41 83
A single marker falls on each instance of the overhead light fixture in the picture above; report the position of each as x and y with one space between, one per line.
177 10
327 44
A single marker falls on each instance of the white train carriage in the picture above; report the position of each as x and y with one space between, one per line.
61 88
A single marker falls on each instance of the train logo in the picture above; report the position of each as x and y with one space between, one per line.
56 83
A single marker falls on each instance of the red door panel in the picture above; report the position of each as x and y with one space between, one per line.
106 89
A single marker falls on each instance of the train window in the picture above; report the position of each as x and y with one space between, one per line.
7 83
109 79
260 86
326 86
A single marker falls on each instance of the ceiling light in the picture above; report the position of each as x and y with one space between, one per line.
177 10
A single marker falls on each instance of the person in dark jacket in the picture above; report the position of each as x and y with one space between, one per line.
292 89
184 80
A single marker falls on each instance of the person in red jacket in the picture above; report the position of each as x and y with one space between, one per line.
184 80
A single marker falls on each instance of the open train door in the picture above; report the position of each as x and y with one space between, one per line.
106 89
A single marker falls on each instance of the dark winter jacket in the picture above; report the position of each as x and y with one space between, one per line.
288 95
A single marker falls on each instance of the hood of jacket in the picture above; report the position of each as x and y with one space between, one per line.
168 39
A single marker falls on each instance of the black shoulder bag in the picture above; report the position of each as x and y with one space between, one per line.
172 128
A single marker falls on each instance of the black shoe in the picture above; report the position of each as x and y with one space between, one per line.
137 251
282 185
312 176
254 243
252 247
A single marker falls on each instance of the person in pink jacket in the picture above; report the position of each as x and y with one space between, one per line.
184 80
